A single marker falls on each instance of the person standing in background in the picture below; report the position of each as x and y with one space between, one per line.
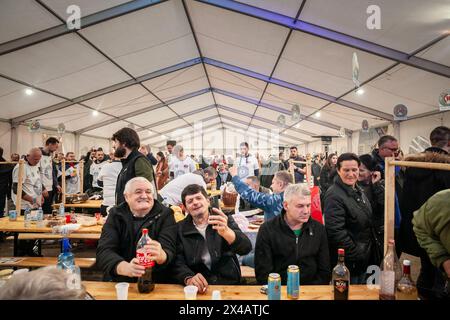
49 173
170 145
5 182
146 150
247 164
181 164
107 179
162 170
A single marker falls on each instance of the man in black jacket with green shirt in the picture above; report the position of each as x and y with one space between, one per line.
293 238
116 251
207 244
134 163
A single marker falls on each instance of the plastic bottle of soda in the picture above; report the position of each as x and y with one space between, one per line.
145 283
66 259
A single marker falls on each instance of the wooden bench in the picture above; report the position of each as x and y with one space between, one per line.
51 236
38 262
247 272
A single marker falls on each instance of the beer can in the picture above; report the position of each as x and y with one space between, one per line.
12 215
293 282
274 287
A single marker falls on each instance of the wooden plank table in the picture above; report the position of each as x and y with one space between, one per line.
89 204
18 226
38 262
106 291
213 193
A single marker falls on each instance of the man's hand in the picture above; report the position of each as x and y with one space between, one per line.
130 269
45 193
199 281
233 171
156 252
446 267
219 221
58 189
376 176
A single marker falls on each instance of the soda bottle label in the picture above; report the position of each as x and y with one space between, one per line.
341 289
144 258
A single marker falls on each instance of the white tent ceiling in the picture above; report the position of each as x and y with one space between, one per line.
166 65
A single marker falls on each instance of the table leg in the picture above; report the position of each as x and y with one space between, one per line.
16 243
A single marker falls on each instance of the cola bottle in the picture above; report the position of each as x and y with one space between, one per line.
145 283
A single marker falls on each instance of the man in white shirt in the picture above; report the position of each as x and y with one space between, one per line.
32 187
48 173
170 145
72 174
108 180
96 166
247 164
171 193
181 164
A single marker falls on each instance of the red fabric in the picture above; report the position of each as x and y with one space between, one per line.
316 209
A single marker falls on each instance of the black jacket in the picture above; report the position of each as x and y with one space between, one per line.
119 240
277 247
219 179
225 267
327 176
348 220
127 173
152 159
6 178
419 186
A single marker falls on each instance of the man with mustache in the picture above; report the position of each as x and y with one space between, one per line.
134 163
116 251
293 238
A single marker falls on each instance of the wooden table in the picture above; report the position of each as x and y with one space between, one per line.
18 226
89 204
106 291
38 262
213 193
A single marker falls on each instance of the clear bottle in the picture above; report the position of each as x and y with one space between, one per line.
390 273
27 218
145 282
62 210
66 259
340 280
40 218
406 288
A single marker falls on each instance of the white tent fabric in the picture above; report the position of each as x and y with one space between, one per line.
162 67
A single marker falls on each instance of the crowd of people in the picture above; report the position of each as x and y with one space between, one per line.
139 190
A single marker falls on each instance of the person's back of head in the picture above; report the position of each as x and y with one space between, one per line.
285 177
440 137
47 283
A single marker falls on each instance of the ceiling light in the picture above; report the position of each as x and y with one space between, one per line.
28 91
95 113
360 91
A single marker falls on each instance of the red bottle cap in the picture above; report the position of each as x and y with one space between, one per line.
341 252
144 231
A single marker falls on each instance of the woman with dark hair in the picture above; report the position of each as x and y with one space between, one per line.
328 173
162 170
348 219
373 186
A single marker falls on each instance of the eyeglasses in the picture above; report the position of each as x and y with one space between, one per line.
395 150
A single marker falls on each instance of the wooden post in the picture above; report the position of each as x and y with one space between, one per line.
292 171
63 179
81 175
19 185
389 202
308 172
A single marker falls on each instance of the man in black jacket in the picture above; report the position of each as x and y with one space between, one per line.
116 251
5 182
207 244
420 185
134 163
293 238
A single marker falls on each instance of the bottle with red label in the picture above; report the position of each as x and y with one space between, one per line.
145 283
340 278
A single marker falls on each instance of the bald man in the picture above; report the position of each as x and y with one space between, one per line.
32 187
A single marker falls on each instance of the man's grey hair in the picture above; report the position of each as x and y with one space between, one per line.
129 184
34 150
47 283
177 149
296 190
